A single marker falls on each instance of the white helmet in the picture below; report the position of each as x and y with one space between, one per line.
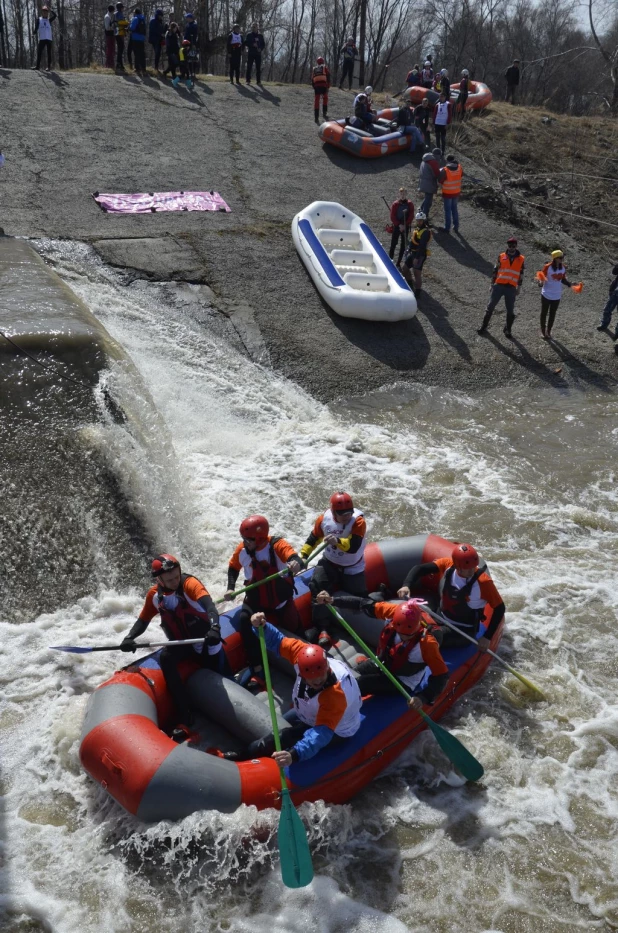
444 73
465 72
368 89
427 65
420 216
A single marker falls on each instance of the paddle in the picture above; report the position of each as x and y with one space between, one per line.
294 854
163 644
520 676
463 760
273 576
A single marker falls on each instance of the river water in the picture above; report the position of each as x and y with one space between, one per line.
529 476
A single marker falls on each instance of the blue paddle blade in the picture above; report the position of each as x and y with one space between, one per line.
70 648
296 864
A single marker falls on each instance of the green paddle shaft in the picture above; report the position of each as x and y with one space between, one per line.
455 750
455 628
294 854
273 576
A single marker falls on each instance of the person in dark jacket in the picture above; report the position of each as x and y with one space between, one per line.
255 45
234 50
192 53
416 254
43 32
413 78
121 29
156 36
464 91
612 303
405 123
172 50
428 179
349 54
402 216
512 80
422 113
445 84
137 30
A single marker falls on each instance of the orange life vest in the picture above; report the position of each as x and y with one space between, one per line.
451 186
509 272
320 77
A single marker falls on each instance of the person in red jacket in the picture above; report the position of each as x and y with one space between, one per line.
402 216
259 555
465 589
409 647
186 611
320 82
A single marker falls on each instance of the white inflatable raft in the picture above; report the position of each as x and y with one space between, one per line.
349 266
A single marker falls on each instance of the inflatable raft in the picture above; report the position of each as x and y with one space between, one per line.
349 266
383 140
126 748
479 95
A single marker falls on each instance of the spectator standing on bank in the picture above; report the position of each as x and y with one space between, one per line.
464 91
349 54
445 84
427 75
612 303
110 44
138 31
402 217
442 117
512 80
413 78
450 178
422 114
320 82
551 279
121 26
417 253
506 283
156 37
192 54
234 49
254 42
43 32
172 50
428 180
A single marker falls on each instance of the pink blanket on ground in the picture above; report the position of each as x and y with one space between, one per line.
161 201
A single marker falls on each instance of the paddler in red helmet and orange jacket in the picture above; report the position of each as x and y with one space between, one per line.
465 589
186 610
259 555
409 647
342 567
326 701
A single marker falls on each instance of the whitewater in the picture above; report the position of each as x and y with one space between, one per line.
527 476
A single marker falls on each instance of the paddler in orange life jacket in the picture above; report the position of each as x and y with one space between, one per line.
409 647
465 589
186 611
259 555
326 701
342 567
320 82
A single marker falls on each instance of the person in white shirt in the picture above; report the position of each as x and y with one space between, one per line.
551 279
43 31
442 116
110 33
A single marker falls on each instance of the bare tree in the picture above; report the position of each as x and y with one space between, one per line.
609 46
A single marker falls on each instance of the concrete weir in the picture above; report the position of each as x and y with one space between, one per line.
41 313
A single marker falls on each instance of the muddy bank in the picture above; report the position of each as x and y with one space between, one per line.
67 136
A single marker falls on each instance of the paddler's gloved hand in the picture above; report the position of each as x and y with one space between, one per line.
128 644
214 635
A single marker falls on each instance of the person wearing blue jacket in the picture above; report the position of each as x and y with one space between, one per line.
137 30
156 36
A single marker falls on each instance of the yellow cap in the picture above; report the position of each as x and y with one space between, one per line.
557 254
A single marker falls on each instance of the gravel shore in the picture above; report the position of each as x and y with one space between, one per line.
66 136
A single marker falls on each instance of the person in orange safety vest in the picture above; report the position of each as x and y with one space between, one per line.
259 555
465 589
409 647
450 178
506 283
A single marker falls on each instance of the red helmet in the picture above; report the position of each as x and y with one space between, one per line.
163 563
407 618
255 526
341 502
319 60
465 557
186 42
312 661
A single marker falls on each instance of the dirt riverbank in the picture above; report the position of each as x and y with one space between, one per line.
66 136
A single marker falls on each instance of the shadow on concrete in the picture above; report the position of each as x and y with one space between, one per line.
402 346
356 166
523 358
190 95
580 370
438 317
55 78
267 95
5 73
460 250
